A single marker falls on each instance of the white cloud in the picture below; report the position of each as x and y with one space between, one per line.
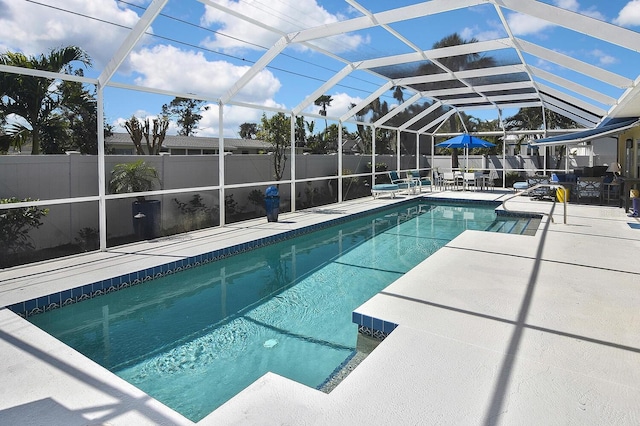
629 15
521 24
603 58
234 116
168 68
276 14
469 33
572 5
34 29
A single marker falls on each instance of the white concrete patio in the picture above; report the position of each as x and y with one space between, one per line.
493 329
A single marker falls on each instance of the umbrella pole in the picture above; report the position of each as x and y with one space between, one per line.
466 162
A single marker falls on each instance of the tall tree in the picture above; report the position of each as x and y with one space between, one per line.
36 99
248 130
80 110
323 102
153 135
187 114
384 137
301 131
455 64
276 131
398 94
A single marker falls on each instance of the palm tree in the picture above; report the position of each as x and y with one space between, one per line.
34 98
457 63
323 102
398 94
133 177
531 118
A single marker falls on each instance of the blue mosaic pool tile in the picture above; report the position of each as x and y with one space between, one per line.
29 305
377 324
18 308
388 327
356 318
55 298
42 302
367 321
87 289
76 293
65 294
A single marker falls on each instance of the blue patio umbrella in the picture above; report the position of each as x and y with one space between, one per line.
465 141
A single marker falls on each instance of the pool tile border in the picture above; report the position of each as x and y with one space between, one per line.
56 300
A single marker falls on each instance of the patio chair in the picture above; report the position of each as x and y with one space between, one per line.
590 187
393 176
407 185
450 179
438 180
490 179
421 180
468 179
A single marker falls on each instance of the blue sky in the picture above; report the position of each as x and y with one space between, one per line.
197 49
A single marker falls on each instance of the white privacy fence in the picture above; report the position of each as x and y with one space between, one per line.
68 185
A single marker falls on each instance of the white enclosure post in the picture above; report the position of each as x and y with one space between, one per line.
102 202
340 194
293 162
373 155
221 162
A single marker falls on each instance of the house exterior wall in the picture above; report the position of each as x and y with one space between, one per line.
629 152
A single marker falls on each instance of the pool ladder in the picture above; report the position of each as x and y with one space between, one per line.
540 185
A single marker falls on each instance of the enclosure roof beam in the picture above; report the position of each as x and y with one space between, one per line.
143 24
576 22
345 71
257 67
397 110
438 120
373 96
418 117
386 17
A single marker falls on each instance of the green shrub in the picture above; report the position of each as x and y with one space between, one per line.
15 225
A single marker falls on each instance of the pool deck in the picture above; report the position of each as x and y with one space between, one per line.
493 329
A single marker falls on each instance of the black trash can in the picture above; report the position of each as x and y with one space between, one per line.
272 203
146 219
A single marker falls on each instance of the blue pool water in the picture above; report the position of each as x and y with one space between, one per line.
196 338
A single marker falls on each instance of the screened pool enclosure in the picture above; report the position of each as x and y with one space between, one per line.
389 79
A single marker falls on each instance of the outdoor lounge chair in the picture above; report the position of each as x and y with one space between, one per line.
385 188
407 185
421 180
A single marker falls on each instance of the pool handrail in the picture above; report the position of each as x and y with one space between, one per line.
540 185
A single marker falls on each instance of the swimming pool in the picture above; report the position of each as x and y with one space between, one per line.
196 338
